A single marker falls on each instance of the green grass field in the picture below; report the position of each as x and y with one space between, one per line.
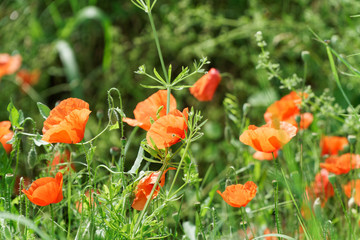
146 119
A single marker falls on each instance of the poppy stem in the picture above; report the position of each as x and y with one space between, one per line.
157 42
276 194
52 220
179 166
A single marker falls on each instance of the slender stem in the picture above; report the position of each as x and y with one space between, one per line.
179 166
52 220
276 188
161 60
69 198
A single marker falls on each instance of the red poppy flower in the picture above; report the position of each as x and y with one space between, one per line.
287 109
45 191
321 187
26 78
6 135
264 156
239 195
148 108
144 188
61 158
168 130
205 87
268 138
342 164
89 199
348 190
331 145
9 64
66 122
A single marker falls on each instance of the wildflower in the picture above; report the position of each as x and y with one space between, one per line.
239 195
45 191
348 189
168 130
265 156
6 135
205 87
66 122
26 78
147 109
144 188
61 158
342 164
268 138
9 64
321 187
331 145
287 109
89 200
267 231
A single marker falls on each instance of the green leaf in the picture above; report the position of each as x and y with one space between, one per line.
43 109
14 114
137 162
158 76
38 142
4 165
115 126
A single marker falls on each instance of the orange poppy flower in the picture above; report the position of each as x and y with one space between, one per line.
26 78
144 188
66 122
45 191
348 190
342 164
268 138
287 109
9 64
267 231
331 145
239 195
264 156
321 187
205 87
6 135
148 108
61 158
168 130
89 199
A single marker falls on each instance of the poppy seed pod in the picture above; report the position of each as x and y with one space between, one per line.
205 87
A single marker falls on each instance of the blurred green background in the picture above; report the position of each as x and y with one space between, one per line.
83 48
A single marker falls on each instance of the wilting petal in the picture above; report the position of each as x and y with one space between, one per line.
144 188
205 87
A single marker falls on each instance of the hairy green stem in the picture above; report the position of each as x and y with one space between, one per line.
276 194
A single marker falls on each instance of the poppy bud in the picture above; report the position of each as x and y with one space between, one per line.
114 151
9 177
100 114
305 55
351 139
